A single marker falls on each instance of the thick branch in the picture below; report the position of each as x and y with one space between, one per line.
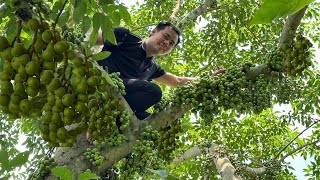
223 165
225 169
290 27
165 117
254 72
189 154
204 7
255 171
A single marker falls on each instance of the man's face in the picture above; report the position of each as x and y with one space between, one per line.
162 42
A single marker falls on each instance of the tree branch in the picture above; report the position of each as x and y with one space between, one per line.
176 10
209 171
256 171
190 154
297 149
165 117
201 9
223 165
290 27
59 14
294 139
226 169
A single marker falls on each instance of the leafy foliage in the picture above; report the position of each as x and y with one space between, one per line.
270 10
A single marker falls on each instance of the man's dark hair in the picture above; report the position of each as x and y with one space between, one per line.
162 25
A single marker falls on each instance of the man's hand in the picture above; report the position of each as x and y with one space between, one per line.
221 70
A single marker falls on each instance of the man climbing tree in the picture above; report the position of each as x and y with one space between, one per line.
134 59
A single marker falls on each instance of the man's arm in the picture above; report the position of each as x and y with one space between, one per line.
173 80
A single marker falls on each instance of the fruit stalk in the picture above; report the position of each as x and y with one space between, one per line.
31 48
59 14
17 39
63 73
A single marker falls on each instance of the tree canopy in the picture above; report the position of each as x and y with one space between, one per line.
241 124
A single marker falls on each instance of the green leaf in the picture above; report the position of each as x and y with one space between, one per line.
86 23
56 7
101 55
4 160
107 31
105 2
12 27
87 175
64 18
19 160
93 37
62 172
97 20
115 18
271 9
125 14
80 9
92 4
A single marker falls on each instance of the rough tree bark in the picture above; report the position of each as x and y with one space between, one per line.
74 158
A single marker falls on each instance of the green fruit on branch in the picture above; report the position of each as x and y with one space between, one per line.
4 100
46 77
19 89
6 87
60 47
25 105
4 43
47 36
48 53
68 99
49 65
33 24
39 44
32 68
6 54
18 49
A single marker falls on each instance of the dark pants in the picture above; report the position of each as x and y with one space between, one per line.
141 95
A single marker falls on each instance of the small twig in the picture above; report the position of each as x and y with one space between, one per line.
17 39
59 14
40 16
31 48
68 84
294 139
70 73
296 150
63 76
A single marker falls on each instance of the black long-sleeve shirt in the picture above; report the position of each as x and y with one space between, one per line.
129 57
